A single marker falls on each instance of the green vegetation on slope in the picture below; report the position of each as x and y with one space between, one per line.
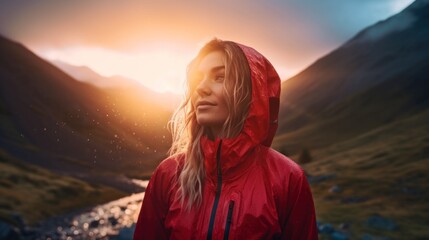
380 172
36 194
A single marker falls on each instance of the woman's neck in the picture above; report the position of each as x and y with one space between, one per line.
213 133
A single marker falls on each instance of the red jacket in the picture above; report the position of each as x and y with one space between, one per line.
250 191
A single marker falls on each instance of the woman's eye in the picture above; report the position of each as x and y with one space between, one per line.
219 78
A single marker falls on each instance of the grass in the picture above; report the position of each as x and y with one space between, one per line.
36 194
386 169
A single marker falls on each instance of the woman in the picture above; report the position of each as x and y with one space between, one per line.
222 180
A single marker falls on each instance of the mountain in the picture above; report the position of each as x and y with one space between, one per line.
357 122
86 74
71 127
118 84
377 77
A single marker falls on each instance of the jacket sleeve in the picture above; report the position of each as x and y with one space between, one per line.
150 223
299 221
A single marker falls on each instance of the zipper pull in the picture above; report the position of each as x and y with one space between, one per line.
230 209
228 220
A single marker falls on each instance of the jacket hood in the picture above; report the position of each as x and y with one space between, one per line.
262 119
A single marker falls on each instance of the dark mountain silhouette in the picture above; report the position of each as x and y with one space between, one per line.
50 119
377 77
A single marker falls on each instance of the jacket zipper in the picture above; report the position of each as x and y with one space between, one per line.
218 190
228 220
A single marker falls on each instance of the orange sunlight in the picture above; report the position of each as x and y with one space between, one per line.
160 67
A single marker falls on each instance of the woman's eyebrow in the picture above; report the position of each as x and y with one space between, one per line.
217 69
212 70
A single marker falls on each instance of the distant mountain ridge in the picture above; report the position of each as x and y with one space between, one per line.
370 80
86 74
118 83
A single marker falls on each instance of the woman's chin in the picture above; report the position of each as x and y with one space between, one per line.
209 120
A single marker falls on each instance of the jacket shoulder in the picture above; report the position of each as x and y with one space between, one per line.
283 165
164 180
168 168
293 197
169 164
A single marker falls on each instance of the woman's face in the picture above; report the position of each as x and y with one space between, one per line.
209 98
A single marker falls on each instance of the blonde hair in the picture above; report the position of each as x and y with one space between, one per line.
187 132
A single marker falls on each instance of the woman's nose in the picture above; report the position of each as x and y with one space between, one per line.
203 88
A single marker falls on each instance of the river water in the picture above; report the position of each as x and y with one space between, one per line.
114 220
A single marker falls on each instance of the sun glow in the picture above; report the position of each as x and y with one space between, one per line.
160 67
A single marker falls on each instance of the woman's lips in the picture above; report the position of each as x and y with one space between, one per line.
202 105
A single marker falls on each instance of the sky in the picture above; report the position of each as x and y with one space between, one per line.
153 41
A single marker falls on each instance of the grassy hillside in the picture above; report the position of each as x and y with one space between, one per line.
383 172
35 193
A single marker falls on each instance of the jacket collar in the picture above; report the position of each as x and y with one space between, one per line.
233 157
